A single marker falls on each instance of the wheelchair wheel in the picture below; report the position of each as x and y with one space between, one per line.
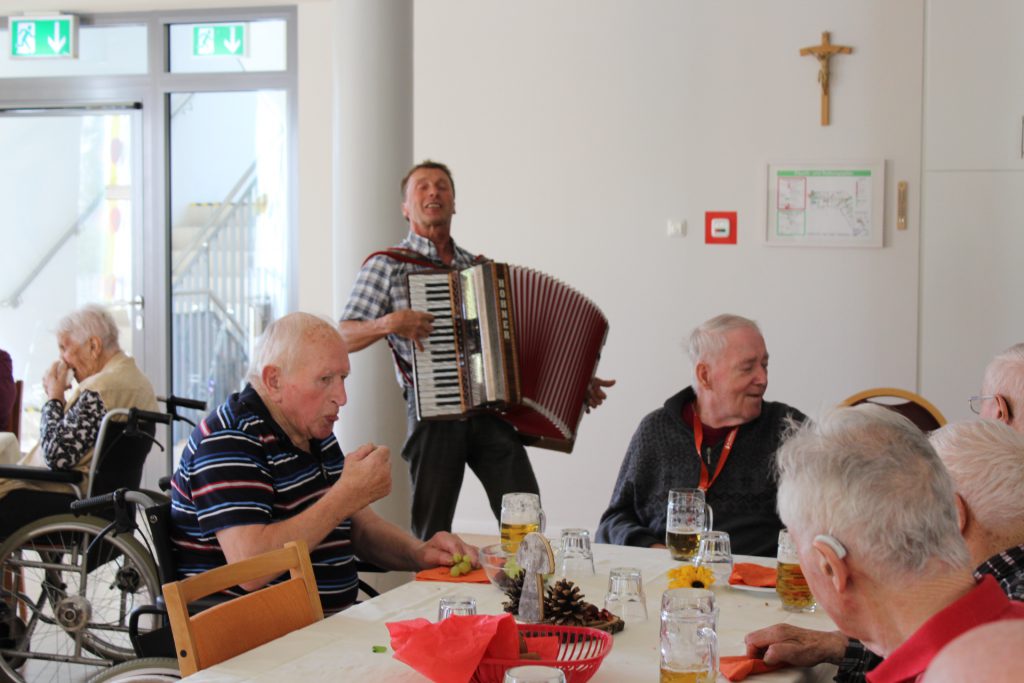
74 601
146 670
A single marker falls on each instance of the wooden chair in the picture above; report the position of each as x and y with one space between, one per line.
912 406
231 628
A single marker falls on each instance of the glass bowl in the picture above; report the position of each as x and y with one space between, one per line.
495 561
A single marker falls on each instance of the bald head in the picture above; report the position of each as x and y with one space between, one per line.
987 653
284 342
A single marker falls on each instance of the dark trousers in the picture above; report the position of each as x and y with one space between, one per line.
438 452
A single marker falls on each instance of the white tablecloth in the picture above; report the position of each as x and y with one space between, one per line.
340 648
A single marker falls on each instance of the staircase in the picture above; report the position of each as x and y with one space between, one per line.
220 299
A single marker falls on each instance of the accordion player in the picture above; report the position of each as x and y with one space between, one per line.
507 339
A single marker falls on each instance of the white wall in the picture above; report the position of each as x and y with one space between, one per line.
575 129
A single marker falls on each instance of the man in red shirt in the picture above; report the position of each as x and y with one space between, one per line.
873 513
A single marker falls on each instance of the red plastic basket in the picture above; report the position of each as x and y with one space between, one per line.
580 653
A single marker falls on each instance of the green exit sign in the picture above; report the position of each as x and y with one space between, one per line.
219 40
48 36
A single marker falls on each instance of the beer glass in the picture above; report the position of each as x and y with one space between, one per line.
689 647
575 559
534 674
688 517
520 515
456 604
716 555
790 584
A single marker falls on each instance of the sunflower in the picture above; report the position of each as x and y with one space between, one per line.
688 576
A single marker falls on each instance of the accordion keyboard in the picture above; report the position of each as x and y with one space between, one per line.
436 368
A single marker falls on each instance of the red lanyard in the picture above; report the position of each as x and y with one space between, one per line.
698 437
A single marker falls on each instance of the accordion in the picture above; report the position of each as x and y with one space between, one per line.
509 340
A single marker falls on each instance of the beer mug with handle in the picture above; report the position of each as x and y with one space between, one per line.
689 647
520 514
688 517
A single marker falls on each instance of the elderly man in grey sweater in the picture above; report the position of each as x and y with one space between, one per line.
719 435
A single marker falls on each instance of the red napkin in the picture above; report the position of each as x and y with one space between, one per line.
545 646
464 640
739 667
445 574
749 574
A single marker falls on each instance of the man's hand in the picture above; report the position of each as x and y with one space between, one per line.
787 644
413 325
595 391
439 550
367 473
56 381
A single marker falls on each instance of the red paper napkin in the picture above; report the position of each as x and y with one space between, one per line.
445 574
463 640
739 667
749 574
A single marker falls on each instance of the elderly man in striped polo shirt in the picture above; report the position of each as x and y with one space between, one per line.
265 468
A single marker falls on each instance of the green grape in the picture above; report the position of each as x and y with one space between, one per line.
454 571
466 567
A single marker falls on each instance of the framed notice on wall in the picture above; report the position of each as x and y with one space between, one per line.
826 204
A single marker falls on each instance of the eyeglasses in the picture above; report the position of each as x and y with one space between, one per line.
975 402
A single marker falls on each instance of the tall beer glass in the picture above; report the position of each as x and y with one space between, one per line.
520 515
791 585
688 517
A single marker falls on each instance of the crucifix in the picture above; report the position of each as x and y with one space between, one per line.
823 53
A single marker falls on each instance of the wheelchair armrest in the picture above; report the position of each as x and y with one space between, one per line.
40 474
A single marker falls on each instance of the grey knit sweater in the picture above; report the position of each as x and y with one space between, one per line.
662 455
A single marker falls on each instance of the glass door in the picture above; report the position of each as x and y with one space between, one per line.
71 236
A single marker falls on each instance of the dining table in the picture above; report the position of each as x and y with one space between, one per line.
354 645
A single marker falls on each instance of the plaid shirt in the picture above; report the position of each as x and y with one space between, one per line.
1008 569
383 287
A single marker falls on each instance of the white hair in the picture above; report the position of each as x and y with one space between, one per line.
986 460
708 339
283 341
1005 376
868 476
90 321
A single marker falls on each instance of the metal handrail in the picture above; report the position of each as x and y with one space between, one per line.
212 225
14 300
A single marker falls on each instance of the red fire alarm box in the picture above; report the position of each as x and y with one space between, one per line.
720 227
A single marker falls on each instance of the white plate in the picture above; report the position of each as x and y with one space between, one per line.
753 589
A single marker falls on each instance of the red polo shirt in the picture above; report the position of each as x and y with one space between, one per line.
985 603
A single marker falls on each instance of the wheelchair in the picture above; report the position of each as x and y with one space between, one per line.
70 584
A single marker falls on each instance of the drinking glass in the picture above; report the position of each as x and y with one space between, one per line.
534 674
689 647
688 517
520 515
575 558
716 554
691 600
455 604
790 584
625 596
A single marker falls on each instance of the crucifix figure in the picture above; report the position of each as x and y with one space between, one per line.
823 53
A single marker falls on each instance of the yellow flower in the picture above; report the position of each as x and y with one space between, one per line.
688 576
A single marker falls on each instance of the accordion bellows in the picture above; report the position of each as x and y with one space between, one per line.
510 340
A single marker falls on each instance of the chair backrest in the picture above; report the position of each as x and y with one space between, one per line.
122 445
219 633
14 419
912 406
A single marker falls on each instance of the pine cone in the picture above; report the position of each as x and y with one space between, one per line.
514 591
564 604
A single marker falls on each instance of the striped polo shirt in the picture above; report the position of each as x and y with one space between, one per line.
240 468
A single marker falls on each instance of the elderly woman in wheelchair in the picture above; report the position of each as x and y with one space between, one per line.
65 588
